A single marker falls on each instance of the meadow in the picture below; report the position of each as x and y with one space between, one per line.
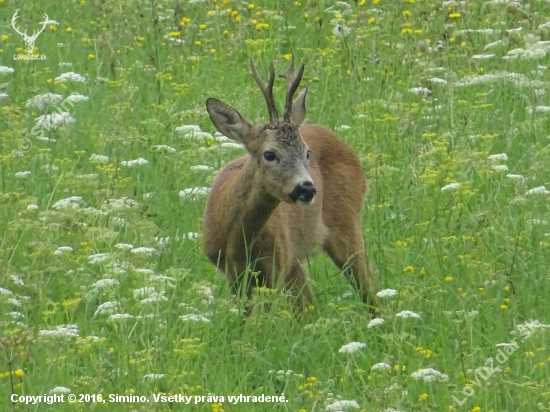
107 154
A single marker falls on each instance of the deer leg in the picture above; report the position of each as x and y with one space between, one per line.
346 248
296 280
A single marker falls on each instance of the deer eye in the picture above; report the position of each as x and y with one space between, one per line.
308 154
269 156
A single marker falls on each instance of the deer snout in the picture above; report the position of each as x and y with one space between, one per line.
304 192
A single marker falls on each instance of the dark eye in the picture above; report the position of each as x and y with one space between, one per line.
269 156
308 153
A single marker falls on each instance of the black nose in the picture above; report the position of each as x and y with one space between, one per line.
303 192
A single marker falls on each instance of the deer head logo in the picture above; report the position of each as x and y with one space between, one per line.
29 40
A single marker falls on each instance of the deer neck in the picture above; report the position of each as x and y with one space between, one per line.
254 206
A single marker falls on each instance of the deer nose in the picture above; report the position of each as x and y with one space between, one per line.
304 192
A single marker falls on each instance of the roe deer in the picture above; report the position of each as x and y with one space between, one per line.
299 189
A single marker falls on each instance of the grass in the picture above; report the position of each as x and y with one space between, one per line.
471 260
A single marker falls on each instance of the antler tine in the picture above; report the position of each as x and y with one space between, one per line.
292 84
13 20
289 74
267 91
46 20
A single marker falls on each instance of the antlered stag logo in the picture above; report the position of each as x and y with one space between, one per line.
29 40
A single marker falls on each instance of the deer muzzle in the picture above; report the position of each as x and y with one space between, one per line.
303 192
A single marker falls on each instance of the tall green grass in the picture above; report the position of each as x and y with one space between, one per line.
471 261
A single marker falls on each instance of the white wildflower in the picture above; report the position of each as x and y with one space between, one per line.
62 331
429 375
500 168
437 80
144 250
195 192
77 97
119 204
107 308
154 376
54 120
538 190
351 347
527 328
500 156
63 249
166 280
68 203
154 297
105 283
143 271
380 366
49 168
126 246
375 322
407 314
188 128
21 175
5 69
100 158
421 90
483 56
6 292
43 100
131 163
343 127
145 291
342 405
341 30
450 186
232 145
117 316
70 76
207 293
201 167
515 177
17 280
196 318
386 293
98 258
60 389
491 45
164 148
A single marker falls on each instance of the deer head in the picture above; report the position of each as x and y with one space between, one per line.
29 40
278 153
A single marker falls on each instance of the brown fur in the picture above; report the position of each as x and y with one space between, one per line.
242 216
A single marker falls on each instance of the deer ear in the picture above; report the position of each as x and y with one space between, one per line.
227 120
298 112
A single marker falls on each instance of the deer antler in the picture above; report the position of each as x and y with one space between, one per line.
267 90
291 86
44 23
13 19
